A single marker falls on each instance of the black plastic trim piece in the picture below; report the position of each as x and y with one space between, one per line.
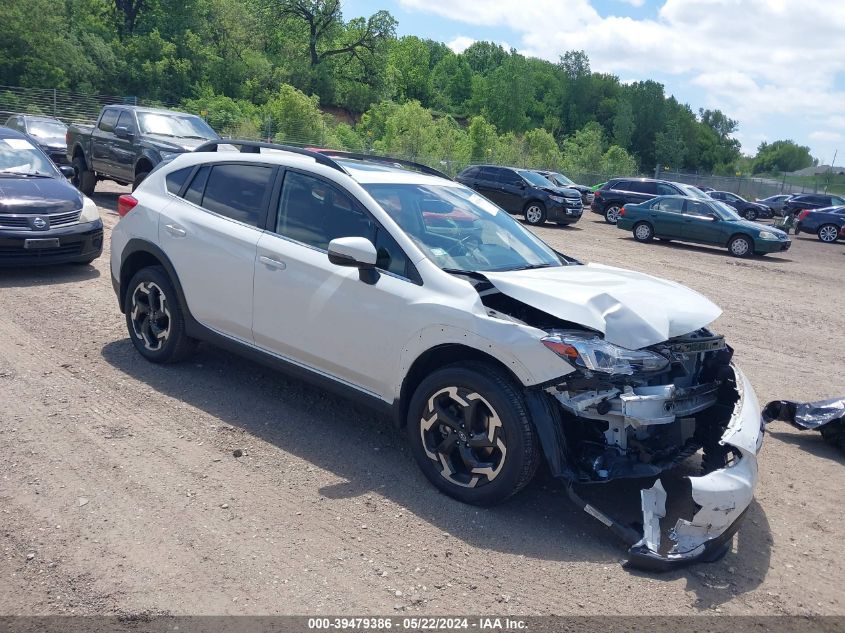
254 147
388 160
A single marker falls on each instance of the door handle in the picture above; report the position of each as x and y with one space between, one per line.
175 230
272 263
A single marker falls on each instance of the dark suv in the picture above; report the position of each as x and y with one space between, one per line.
811 201
524 191
618 192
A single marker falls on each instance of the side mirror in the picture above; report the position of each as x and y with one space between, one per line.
355 252
67 171
121 131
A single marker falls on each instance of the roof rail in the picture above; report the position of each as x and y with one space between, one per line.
388 160
254 147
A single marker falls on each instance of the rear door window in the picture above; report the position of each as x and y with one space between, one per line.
509 177
669 205
489 173
239 192
663 189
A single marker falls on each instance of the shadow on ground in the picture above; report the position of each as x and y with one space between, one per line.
369 454
26 276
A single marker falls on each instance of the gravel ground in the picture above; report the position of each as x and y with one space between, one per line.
119 491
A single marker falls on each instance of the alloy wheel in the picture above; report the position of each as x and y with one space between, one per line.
150 315
828 233
463 434
612 214
533 214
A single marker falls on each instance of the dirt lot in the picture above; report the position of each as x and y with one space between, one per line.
119 492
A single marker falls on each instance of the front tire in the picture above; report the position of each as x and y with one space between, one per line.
643 232
83 178
741 246
471 434
535 213
828 233
611 213
154 317
751 214
139 178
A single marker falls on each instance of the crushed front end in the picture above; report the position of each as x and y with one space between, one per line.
637 414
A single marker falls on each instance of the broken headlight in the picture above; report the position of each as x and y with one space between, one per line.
594 353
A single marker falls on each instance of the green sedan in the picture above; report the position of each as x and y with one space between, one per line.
700 221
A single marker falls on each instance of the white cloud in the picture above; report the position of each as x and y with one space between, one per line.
460 43
752 58
826 136
634 3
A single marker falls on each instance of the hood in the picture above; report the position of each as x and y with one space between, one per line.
756 227
38 195
566 192
175 144
631 309
53 142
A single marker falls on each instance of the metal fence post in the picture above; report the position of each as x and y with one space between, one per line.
54 102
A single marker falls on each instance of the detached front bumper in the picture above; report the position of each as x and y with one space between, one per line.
723 497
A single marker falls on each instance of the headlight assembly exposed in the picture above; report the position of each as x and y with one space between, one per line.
767 235
90 212
558 199
594 353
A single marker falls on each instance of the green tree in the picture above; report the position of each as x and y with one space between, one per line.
482 139
408 66
623 124
781 156
294 117
669 147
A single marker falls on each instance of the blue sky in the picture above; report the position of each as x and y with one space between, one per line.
779 71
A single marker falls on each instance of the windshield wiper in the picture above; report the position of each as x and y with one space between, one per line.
458 271
527 267
33 174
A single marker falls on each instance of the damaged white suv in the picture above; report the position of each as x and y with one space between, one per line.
391 283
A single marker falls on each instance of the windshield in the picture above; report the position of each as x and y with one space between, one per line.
46 129
459 230
534 178
724 211
19 156
560 179
181 125
693 192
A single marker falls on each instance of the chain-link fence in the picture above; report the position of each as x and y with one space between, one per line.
748 187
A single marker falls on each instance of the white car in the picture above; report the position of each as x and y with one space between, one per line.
392 284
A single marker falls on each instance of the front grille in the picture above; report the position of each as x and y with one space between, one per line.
62 219
8 221
46 253
14 222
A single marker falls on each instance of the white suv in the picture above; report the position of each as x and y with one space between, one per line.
391 283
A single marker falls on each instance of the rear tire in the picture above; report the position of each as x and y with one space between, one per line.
471 434
828 233
611 213
643 232
154 317
83 178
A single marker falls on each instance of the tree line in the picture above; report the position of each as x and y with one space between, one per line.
274 68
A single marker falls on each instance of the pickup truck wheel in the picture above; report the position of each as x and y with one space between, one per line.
154 317
139 178
611 213
83 178
471 434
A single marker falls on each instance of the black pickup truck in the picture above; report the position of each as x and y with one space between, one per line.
128 141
